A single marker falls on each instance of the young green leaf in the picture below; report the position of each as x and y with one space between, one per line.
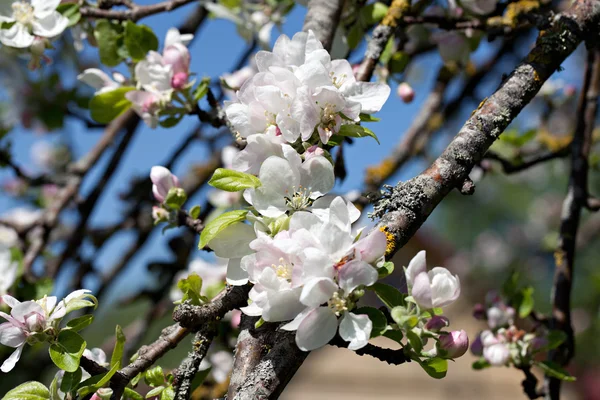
117 354
480 364
357 131
526 302
435 367
168 393
77 324
109 36
202 89
554 370
415 341
139 40
369 118
70 380
377 318
233 181
212 229
389 295
104 107
155 376
67 350
130 394
96 382
396 336
191 287
28 391
386 269
195 211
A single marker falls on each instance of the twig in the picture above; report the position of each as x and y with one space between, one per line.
404 209
184 219
575 201
184 375
134 12
530 384
390 356
510 167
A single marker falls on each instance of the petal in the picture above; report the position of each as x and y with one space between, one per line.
316 329
11 361
283 305
295 323
421 291
277 174
11 335
43 8
496 354
96 78
417 265
356 273
370 95
233 241
445 287
317 175
316 264
11 301
317 291
16 36
20 311
355 329
371 248
236 276
50 26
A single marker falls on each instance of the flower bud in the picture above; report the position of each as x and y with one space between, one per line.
103 394
179 80
479 311
477 346
159 215
175 198
162 181
405 92
437 323
453 344
499 316
313 151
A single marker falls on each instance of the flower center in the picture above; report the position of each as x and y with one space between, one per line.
23 12
330 119
338 81
270 118
300 200
283 270
337 303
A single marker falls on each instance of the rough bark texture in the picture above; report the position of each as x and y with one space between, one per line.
189 367
323 18
404 208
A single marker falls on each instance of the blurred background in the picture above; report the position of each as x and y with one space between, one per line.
510 223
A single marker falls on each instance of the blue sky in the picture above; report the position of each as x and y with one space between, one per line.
215 50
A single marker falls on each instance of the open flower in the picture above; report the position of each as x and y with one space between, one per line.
162 181
99 80
495 349
30 18
290 184
436 288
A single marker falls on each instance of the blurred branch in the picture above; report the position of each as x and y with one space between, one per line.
405 207
134 12
510 167
576 199
530 384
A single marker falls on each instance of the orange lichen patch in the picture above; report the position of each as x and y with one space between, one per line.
536 76
435 122
554 142
471 69
515 10
381 172
559 257
479 107
397 10
390 240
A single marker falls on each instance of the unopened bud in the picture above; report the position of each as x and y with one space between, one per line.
453 344
405 92
162 181
479 311
176 198
437 323
159 215
477 346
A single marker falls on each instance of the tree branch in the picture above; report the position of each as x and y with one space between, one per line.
575 201
510 167
390 356
405 207
135 12
322 18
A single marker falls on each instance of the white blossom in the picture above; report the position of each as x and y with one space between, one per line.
30 18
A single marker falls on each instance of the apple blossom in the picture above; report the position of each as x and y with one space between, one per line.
147 105
437 323
405 92
30 18
436 288
453 344
99 80
259 147
495 348
500 315
162 181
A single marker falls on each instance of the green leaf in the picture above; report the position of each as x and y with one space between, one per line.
403 318
259 323
117 354
28 391
81 302
386 269
168 393
377 318
415 341
171 121
96 382
389 295
372 13
212 229
108 36
555 338
77 324
526 302
104 107
554 370
396 336
191 287
54 389
388 51
398 62
233 181
516 138
480 364
195 211
202 89
136 379
176 198
155 392
70 380
357 131
354 36
67 351
139 40
435 367
368 118
70 11
132 394
155 376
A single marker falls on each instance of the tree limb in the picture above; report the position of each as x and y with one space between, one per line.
322 18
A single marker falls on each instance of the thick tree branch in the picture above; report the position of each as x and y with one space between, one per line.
404 209
575 201
322 18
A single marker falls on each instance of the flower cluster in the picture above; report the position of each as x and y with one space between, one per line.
161 81
37 321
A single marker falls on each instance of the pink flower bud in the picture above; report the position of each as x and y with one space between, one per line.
178 57
437 323
453 344
405 92
313 151
159 214
95 397
236 317
477 346
179 80
479 311
163 180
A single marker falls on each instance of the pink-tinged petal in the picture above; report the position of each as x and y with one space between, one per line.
355 329
11 335
356 273
21 311
417 265
11 361
371 248
316 329
10 301
496 354
421 291
317 291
